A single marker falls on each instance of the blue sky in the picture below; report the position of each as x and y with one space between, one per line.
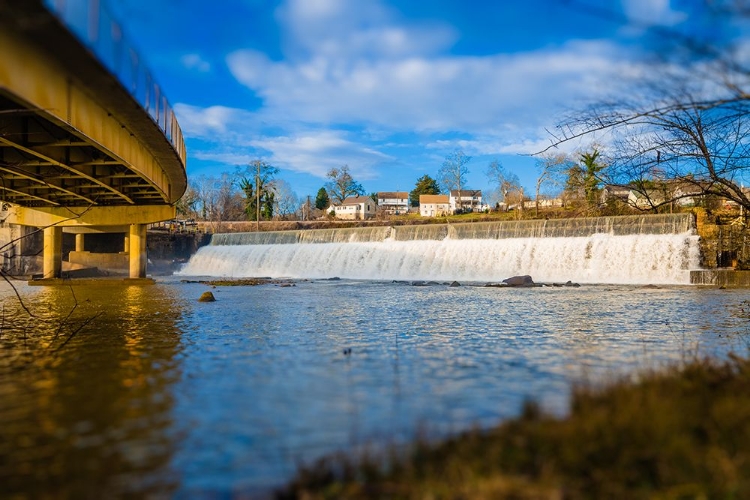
388 87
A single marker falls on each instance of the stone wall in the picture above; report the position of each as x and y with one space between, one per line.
724 240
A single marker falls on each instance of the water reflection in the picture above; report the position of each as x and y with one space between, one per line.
85 396
162 395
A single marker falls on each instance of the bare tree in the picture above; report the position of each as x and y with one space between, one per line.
188 205
287 202
683 132
552 167
453 172
342 185
507 185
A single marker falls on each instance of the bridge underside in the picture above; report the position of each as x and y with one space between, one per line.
45 164
77 152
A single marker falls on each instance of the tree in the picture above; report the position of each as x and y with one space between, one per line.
286 201
229 203
583 180
684 127
342 185
453 172
425 185
321 200
507 184
261 173
552 169
187 206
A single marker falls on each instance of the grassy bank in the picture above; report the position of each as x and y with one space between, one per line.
680 433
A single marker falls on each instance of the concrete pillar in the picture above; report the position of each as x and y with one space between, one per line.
79 242
138 251
52 267
126 248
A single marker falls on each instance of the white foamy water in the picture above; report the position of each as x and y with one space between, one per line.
598 258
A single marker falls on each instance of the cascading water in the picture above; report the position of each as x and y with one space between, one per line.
635 249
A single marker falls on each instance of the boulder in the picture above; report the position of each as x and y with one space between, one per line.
207 297
519 281
454 284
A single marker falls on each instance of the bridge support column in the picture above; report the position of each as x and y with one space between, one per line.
138 257
52 267
79 242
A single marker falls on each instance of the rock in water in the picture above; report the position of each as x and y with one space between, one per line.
519 281
454 284
207 297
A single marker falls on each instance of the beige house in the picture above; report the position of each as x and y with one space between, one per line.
354 208
434 205
393 202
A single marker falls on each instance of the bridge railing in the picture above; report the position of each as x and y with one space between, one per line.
94 25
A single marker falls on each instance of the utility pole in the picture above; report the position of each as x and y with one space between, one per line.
257 196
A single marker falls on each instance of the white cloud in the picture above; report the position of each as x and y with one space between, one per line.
196 62
233 137
340 28
359 66
317 152
432 94
652 12
208 122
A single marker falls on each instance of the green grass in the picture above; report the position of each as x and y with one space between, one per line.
682 433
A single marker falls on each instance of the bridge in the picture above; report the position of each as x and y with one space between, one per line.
88 141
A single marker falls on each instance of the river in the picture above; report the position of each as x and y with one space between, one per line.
140 391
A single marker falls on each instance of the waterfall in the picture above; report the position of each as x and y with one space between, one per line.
635 249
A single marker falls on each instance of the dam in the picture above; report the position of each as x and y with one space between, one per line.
644 249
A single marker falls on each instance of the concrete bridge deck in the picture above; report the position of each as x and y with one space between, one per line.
88 142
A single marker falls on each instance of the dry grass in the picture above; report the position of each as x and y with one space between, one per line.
681 433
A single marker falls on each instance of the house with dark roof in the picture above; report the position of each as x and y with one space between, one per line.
393 202
470 200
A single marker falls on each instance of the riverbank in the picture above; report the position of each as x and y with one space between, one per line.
679 433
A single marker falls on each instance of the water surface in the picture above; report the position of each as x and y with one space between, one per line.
143 390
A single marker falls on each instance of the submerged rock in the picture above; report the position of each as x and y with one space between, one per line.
207 297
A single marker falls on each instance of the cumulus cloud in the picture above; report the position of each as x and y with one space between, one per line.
432 94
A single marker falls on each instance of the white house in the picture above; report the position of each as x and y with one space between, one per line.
470 200
434 205
354 208
393 202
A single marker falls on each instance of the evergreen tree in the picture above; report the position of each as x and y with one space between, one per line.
321 200
425 185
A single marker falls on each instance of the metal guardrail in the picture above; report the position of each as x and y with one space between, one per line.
95 27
